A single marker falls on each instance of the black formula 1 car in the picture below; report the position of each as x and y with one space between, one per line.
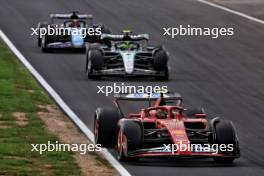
69 31
159 126
126 55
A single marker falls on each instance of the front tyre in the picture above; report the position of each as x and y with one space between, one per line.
90 71
160 60
224 133
40 27
94 63
130 138
105 126
44 43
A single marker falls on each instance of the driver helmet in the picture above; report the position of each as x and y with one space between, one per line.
74 20
75 23
127 34
161 114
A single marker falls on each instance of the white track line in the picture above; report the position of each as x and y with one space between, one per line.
62 104
232 11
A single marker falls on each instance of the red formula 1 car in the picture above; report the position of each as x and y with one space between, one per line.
163 128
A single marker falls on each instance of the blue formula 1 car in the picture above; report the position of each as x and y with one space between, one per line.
69 31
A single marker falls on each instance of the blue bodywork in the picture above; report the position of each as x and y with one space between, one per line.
77 40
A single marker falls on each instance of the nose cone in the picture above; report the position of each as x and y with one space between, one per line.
128 59
77 38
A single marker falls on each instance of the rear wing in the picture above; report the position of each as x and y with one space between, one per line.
147 96
68 16
138 37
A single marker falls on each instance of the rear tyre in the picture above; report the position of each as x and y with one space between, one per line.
129 139
224 133
105 126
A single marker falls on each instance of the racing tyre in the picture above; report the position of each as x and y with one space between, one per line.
44 42
41 25
224 133
130 137
160 60
97 59
94 62
105 126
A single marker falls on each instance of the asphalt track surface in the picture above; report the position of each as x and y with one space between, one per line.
225 75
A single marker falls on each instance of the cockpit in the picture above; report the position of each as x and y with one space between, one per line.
163 112
159 113
74 23
127 45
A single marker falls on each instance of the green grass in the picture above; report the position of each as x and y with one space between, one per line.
19 92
